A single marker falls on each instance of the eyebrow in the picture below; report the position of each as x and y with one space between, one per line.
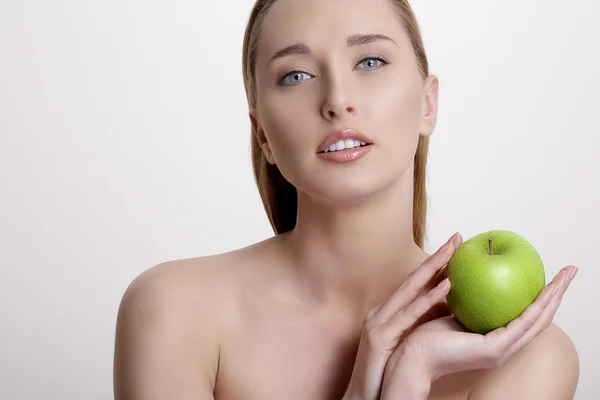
352 40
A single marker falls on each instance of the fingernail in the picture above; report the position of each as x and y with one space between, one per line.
572 274
450 242
444 284
456 238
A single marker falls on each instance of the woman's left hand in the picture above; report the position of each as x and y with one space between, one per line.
443 346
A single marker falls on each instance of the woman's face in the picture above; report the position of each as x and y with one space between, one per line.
370 84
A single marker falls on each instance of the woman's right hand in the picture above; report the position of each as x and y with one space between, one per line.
420 298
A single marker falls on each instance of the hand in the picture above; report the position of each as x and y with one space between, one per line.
443 346
416 301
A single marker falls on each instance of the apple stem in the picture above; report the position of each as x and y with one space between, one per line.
491 246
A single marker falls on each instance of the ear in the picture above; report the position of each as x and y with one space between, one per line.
260 135
430 105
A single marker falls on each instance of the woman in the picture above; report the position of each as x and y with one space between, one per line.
343 302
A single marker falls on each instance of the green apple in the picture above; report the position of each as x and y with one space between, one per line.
494 277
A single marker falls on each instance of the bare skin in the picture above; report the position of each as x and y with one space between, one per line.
241 325
282 319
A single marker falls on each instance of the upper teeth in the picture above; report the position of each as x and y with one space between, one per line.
344 144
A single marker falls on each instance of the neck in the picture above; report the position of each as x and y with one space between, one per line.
355 254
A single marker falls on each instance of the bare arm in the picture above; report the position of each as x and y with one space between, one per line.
166 338
546 369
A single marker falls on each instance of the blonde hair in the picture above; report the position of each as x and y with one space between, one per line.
279 196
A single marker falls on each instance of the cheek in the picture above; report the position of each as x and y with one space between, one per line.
288 131
281 128
289 122
394 117
395 109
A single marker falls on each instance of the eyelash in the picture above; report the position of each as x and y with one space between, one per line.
379 58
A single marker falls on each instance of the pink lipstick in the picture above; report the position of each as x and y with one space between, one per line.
344 146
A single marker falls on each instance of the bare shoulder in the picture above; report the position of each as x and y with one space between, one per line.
547 368
177 282
169 326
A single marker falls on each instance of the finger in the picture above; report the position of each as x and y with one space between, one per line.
412 285
437 278
438 310
407 317
432 283
546 318
507 336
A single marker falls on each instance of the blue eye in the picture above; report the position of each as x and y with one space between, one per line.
373 61
296 78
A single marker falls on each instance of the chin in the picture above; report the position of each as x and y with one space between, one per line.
352 184
347 190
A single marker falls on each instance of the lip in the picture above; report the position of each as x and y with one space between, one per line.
345 156
342 134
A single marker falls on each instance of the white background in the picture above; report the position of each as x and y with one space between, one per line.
124 142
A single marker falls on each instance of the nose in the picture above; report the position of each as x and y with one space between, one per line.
338 103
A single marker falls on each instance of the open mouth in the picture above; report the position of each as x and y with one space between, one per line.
343 145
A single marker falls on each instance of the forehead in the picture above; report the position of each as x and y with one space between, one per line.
322 23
